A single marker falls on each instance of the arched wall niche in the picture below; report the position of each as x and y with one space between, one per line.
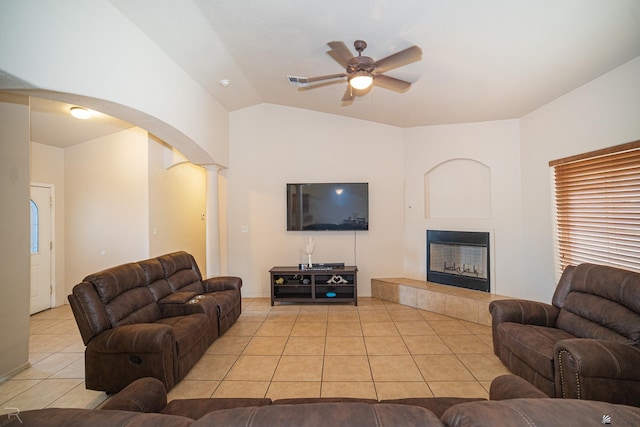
458 188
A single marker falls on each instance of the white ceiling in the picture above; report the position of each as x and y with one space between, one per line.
482 59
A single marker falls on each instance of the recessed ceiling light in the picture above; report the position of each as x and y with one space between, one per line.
80 113
225 82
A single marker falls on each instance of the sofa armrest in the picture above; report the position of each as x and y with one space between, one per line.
222 283
510 386
137 338
598 370
143 395
520 311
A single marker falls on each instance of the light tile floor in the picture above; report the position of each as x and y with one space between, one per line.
378 350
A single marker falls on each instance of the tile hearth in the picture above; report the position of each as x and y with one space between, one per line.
379 350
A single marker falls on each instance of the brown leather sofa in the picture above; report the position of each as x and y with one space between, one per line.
514 402
153 318
585 344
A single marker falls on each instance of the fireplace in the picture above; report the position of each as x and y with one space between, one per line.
459 258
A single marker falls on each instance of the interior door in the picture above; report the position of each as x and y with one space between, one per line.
41 248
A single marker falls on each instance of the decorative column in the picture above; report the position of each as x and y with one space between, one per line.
212 223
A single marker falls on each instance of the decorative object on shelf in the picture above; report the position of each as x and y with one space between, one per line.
280 281
337 279
309 248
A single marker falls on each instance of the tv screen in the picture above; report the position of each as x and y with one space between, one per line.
328 206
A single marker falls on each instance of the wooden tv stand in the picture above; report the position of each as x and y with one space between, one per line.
293 284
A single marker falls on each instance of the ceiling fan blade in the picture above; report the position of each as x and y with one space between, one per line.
327 77
391 83
411 54
320 84
348 95
340 52
306 81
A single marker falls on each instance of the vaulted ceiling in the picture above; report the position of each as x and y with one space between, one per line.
482 60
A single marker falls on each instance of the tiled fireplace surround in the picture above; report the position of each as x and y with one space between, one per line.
464 304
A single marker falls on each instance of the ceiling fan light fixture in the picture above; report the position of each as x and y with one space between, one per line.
360 80
80 113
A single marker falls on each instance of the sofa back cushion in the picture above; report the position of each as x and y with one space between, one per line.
155 279
182 272
124 294
602 303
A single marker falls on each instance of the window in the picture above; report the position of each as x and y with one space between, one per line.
598 207
35 235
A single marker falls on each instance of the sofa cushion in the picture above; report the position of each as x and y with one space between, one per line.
182 272
226 301
125 297
323 414
437 405
197 408
55 417
532 344
539 412
188 330
603 303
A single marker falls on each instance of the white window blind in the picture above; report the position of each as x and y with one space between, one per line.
597 205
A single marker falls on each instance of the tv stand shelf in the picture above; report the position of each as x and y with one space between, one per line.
293 284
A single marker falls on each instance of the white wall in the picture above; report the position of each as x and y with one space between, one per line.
494 144
273 145
113 68
602 113
106 204
47 167
176 204
15 285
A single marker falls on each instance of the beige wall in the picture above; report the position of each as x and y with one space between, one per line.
273 145
14 232
47 167
602 113
106 203
176 207
493 144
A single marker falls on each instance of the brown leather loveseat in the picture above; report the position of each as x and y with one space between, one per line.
514 403
152 318
585 345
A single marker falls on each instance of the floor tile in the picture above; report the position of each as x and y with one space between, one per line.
457 389
344 329
253 368
346 368
265 346
442 368
379 329
299 368
304 346
394 368
415 327
426 344
285 351
229 344
345 346
466 344
293 389
309 329
385 346
242 389
402 390
359 389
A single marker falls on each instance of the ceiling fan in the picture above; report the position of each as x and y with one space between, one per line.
362 71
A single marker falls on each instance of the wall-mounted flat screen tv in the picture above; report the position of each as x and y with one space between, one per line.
328 206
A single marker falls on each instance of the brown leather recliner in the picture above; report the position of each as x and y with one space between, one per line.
153 318
585 345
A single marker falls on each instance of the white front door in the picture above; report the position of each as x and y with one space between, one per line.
41 248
